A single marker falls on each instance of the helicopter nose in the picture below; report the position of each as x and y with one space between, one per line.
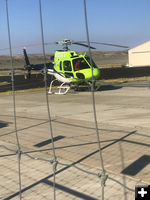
96 74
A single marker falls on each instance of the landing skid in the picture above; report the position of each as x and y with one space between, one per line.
62 89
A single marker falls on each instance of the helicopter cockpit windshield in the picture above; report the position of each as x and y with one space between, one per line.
79 64
88 60
82 63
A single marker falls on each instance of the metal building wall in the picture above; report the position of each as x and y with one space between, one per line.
140 55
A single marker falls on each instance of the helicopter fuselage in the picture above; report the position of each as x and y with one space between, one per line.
74 68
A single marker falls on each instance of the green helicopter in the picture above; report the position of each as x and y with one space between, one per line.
68 67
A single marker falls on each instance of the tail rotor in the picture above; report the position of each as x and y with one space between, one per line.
27 66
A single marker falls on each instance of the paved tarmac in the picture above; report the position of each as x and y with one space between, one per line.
123 116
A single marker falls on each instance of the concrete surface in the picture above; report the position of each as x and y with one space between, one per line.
123 113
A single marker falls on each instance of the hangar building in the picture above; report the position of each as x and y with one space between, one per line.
140 55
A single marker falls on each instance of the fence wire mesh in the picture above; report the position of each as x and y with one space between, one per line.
80 174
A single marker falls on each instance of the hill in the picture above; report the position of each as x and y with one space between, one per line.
101 58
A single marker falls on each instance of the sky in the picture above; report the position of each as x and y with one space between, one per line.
124 22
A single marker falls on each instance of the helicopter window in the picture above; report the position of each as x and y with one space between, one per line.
61 66
67 66
88 60
79 64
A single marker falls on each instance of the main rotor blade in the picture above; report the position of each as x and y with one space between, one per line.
107 44
81 44
71 42
28 45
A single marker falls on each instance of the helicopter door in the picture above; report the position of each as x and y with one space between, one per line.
67 69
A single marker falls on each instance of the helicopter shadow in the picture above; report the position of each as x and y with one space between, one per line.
98 88
107 87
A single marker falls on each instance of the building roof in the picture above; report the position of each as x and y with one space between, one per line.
140 48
